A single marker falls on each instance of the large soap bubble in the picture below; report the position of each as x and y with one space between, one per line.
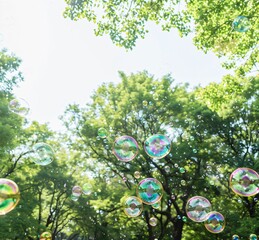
9 195
42 154
150 191
125 148
215 222
241 24
19 106
133 206
45 236
157 146
244 182
197 208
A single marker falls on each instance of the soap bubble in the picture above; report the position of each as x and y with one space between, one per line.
73 197
167 169
244 182
77 191
235 237
43 154
9 195
145 103
183 182
150 190
133 206
182 170
87 188
102 132
125 148
19 106
184 219
45 236
253 237
157 146
197 208
153 221
137 174
215 222
241 24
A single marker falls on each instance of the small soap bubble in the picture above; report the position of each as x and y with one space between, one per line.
77 191
9 195
74 198
176 165
133 206
42 154
157 146
184 219
19 106
150 191
241 24
167 169
235 237
215 222
137 174
197 208
145 103
87 188
182 170
183 182
173 197
252 237
125 148
102 132
124 179
195 150
153 221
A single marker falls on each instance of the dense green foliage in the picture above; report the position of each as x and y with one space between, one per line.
209 21
211 139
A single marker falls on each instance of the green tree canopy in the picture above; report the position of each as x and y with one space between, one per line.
209 21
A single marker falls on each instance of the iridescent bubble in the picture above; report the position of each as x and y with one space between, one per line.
253 237
167 169
42 154
9 195
102 132
157 146
244 182
74 198
145 103
137 174
197 208
133 206
182 170
45 236
125 148
235 237
183 182
19 106
153 221
150 191
184 219
241 24
215 222
76 191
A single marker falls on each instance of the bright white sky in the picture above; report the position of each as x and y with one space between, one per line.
63 61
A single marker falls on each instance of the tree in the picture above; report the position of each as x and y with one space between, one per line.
203 143
210 21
